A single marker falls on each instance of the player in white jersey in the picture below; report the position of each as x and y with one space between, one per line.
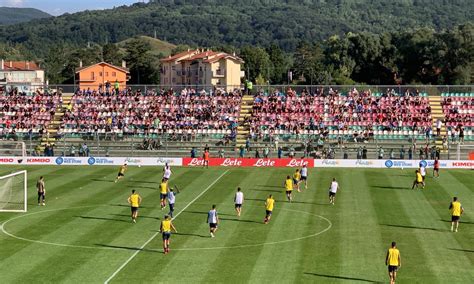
238 201
304 176
167 172
172 199
423 172
212 220
332 191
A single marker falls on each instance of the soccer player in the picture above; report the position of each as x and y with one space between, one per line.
165 229
212 220
206 158
238 201
163 193
393 261
456 212
423 173
121 172
269 204
304 175
436 168
172 199
418 180
134 200
289 188
167 172
332 191
296 179
41 191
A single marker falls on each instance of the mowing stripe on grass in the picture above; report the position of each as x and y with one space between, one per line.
156 234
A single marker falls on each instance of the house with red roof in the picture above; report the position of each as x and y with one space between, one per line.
100 74
201 68
21 73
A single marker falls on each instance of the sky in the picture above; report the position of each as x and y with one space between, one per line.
58 7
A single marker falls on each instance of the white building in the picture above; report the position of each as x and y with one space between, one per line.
27 76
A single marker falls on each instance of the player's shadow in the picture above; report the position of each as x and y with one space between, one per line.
140 181
412 227
391 187
269 190
240 220
270 186
464 250
125 205
460 222
143 187
127 248
312 203
256 199
341 277
101 180
205 213
191 235
139 216
103 219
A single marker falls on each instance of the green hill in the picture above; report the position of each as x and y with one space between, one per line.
10 16
158 47
239 22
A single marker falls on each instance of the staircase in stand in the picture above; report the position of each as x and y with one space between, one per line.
243 130
437 113
49 137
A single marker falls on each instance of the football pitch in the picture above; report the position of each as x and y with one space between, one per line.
84 233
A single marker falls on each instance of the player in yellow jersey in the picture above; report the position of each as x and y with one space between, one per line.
289 188
297 179
456 212
269 204
418 180
165 229
134 200
163 193
394 262
121 172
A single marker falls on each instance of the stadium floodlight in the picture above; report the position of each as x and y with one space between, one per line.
13 192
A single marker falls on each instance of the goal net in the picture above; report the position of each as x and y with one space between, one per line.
12 148
13 192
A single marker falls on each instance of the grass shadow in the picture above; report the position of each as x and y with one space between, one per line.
191 235
138 181
127 248
103 219
342 277
464 250
139 216
256 199
145 187
270 186
101 180
241 220
391 187
268 190
125 205
205 213
413 227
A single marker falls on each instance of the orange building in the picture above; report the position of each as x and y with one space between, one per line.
100 73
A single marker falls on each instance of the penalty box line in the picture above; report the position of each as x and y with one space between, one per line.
156 234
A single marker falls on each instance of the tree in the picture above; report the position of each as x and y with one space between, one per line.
257 63
279 64
140 62
110 54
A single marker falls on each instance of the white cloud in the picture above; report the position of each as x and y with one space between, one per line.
12 3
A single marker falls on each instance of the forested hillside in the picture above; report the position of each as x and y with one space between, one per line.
240 22
10 16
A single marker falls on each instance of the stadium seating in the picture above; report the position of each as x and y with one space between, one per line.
187 112
458 109
380 115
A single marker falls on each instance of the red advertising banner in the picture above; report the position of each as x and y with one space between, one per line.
243 162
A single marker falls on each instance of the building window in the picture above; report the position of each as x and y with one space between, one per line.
114 74
92 76
106 74
100 74
174 80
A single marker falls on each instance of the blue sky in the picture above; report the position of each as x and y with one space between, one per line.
58 7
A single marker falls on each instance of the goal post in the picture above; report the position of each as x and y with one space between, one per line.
14 192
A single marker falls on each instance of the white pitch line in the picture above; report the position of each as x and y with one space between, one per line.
156 234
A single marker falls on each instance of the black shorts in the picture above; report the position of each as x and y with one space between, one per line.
436 169
134 209
289 191
423 178
120 175
238 205
332 193
41 194
171 207
166 236
392 268
455 218
295 181
212 225
163 195
304 178
269 213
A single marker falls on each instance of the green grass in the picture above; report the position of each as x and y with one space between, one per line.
87 214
